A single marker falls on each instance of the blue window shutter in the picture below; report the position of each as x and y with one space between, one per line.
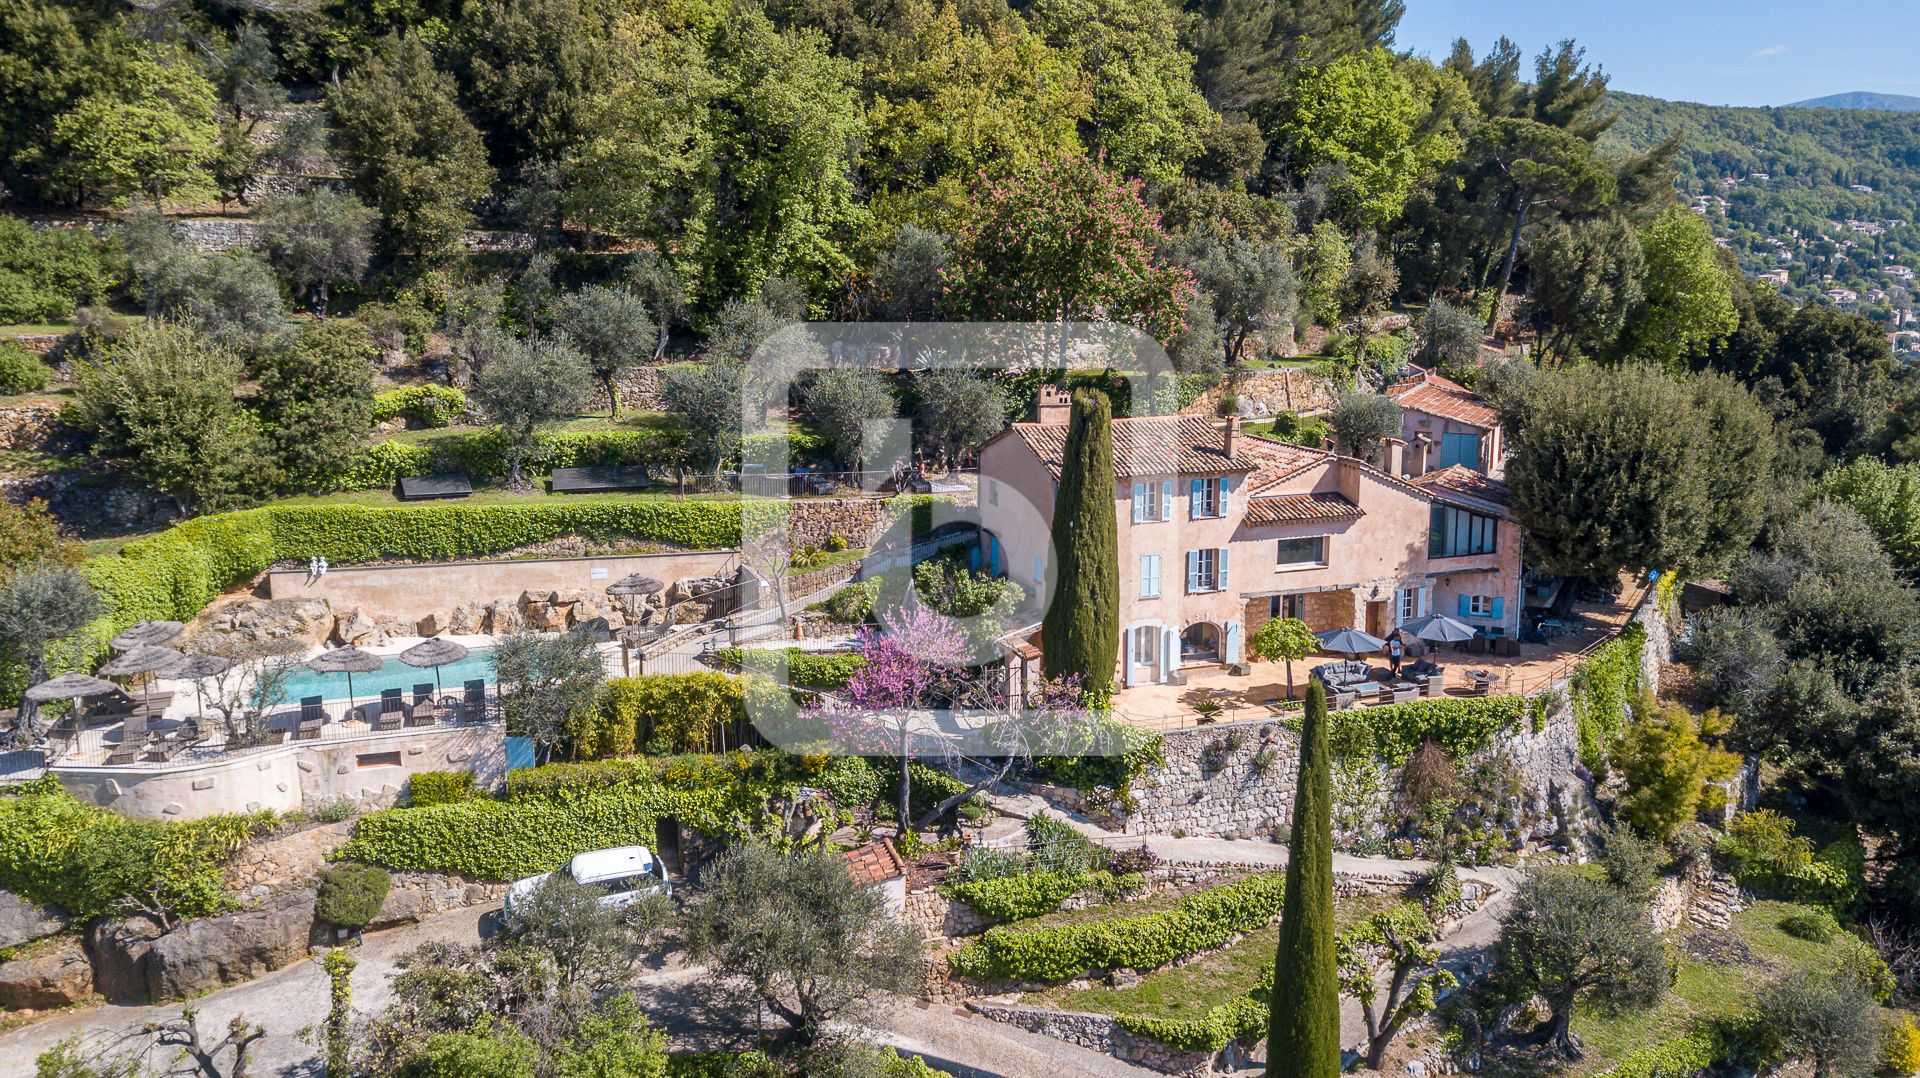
995 570
1156 574
1193 571
973 559
1466 606
1139 502
1221 582
1166 499
1195 491
1226 485
1039 570
1499 607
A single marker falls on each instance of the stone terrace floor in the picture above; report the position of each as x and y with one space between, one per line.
1243 698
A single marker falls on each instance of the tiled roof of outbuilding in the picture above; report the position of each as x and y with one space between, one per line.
1302 508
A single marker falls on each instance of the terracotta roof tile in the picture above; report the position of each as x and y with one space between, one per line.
1298 508
1460 485
1150 445
1278 460
876 862
1430 393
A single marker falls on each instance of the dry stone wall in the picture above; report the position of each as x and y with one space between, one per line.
1099 1033
1229 781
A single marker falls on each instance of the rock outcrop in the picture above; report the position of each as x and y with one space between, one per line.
358 628
22 921
309 621
134 963
51 975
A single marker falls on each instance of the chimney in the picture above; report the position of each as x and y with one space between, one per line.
1230 438
1396 455
1418 453
1052 406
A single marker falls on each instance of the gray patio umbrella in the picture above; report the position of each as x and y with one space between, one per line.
436 653
1439 629
147 634
348 660
197 668
144 660
1349 642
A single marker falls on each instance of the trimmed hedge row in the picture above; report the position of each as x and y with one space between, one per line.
428 405
660 713
1197 923
556 811
806 669
1016 898
1458 725
483 454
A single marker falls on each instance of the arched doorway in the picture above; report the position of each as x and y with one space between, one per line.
1200 643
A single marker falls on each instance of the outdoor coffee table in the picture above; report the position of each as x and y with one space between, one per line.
1369 688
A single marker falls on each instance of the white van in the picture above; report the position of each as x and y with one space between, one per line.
624 875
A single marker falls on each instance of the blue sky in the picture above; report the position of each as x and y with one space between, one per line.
1721 52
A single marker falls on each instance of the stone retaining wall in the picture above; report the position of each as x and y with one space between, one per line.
28 426
1699 896
1260 394
1230 781
1099 1033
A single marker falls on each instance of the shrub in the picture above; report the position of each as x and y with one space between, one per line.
853 604
1682 1057
1770 858
1056 845
827 670
1814 925
1459 726
44 272
1137 861
661 713
986 863
429 406
58 852
440 788
1016 898
20 370
1200 922
334 810
350 895
1903 1045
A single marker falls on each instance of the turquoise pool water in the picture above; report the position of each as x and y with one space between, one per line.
394 675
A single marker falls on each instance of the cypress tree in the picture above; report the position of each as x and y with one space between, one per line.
1303 1023
1081 631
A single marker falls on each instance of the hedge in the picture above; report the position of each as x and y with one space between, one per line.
1682 1057
662 713
56 851
828 670
1458 725
1600 690
429 406
1055 953
556 811
1016 898
440 788
483 454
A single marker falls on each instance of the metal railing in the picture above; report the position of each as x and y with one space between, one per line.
173 742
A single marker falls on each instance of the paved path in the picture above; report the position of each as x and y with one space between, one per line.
286 1002
968 1046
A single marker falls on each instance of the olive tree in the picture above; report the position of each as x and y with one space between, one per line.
1570 939
1362 420
525 385
41 606
609 326
317 239
544 681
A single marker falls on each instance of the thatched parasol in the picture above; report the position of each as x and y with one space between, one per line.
69 687
348 660
145 660
147 634
436 653
637 584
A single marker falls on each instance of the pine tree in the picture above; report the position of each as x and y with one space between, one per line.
1303 1023
1081 633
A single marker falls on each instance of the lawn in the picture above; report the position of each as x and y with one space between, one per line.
1718 976
1194 989
491 494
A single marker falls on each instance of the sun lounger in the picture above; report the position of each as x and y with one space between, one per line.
473 706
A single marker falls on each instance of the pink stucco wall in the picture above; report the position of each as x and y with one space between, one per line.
1370 558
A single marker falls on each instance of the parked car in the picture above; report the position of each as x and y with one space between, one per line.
624 875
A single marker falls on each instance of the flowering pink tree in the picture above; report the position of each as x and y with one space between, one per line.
1063 240
915 656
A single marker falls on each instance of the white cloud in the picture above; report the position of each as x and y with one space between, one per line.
1770 50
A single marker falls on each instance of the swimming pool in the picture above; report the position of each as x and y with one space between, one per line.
394 674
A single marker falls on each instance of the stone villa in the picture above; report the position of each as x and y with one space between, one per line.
1221 530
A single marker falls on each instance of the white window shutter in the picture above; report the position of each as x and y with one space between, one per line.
1166 499
1139 502
1170 653
1426 600
1220 581
1234 642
